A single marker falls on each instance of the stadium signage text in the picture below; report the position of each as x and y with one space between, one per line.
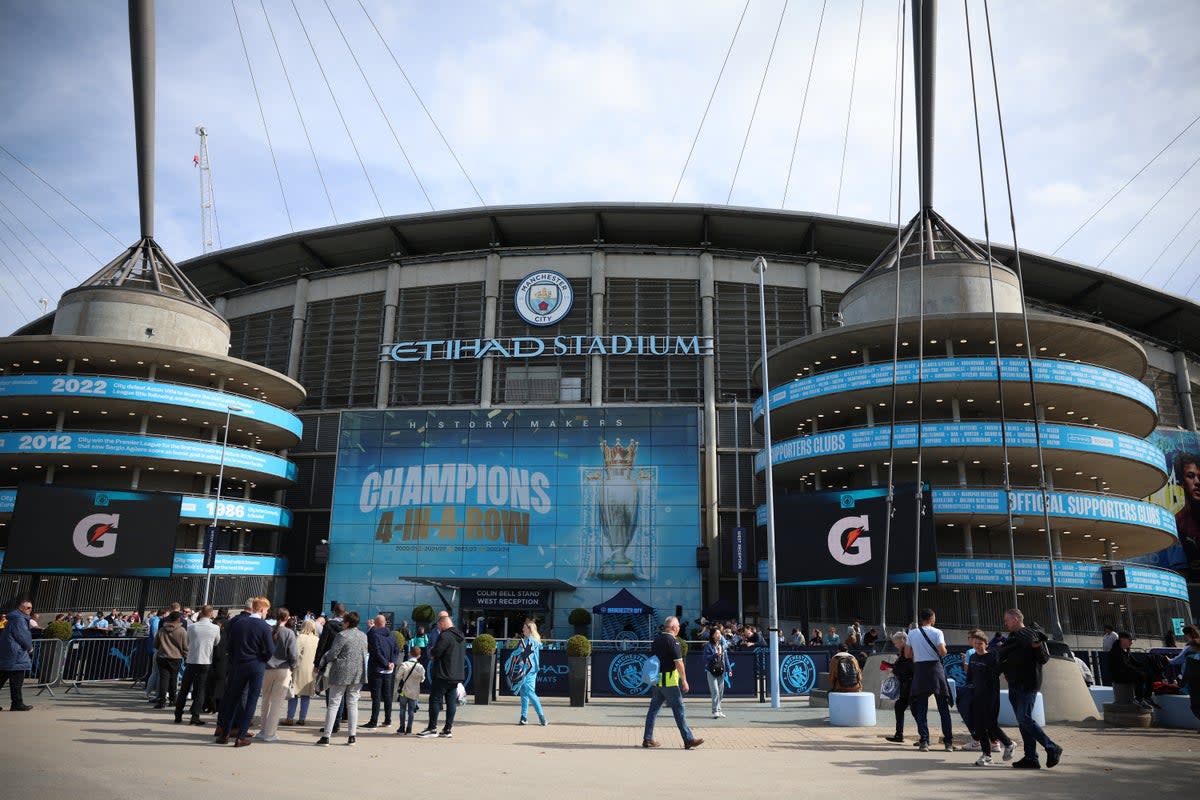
534 347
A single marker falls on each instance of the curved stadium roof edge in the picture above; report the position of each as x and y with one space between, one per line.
1066 287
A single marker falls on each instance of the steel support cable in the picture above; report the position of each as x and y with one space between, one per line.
24 266
52 188
1037 421
850 106
987 237
1186 255
379 105
1149 211
424 108
704 116
338 106
898 157
1167 247
49 216
20 284
922 220
1125 185
296 102
35 256
262 115
757 98
803 105
897 94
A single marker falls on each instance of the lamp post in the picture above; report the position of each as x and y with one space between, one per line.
760 266
217 504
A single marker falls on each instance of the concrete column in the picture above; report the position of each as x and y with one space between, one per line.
812 275
599 282
491 291
391 301
711 484
1183 383
299 317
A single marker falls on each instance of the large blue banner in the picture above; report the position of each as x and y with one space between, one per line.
1067 574
592 499
193 507
1072 505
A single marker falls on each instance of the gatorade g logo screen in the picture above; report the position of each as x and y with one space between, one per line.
848 541
94 536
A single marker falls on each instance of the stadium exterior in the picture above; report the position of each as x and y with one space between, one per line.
527 409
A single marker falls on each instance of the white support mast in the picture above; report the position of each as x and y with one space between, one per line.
209 227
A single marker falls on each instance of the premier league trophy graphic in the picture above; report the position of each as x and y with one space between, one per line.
617 499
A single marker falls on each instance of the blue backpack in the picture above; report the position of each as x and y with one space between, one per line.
650 669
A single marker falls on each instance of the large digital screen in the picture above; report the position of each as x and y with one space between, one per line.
74 531
589 498
838 537
1181 498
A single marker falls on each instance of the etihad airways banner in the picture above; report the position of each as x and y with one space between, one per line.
597 499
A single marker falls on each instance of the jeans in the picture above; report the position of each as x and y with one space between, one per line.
274 690
920 711
152 678
195 679
408 713
291 709
716 690
241 696
670 696
381 690
336 693
15 679
168 678
528 694
442 691
1032 735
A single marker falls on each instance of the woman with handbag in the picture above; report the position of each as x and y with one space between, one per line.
716 667
303 679
347 660
277 678
523 666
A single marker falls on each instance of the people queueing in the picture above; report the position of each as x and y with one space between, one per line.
347 660
926 647
250 648
171 647
303 674
383 652
278 675
410 676
670 687
202 637
1021 659
447 657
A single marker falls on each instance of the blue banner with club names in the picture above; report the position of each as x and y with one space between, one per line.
170 394
1067 574
229 564
142 448
958 370
192 507
1071 505
965 434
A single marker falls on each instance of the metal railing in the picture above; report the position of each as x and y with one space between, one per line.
48 658
105 659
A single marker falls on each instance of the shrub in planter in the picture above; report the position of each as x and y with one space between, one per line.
484 644
59 629
423 614
579 646
402 642
579 651
580 616
483 651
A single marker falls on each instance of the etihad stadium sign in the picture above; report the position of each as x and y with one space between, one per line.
535 347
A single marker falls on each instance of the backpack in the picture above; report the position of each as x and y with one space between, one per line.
717 667
848 675
650 669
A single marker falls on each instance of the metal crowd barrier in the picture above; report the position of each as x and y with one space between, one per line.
46 670
100 660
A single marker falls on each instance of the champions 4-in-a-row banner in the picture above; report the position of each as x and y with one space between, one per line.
837 537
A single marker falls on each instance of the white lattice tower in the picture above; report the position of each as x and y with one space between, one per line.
209 227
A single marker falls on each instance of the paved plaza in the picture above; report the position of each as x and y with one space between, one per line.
107 742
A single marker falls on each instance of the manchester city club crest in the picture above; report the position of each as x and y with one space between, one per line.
625 675
544 298
797 674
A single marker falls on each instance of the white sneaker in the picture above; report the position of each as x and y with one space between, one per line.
976 746
983 761
1008 751
721 714
268 738
716 716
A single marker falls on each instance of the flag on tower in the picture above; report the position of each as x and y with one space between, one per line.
195 161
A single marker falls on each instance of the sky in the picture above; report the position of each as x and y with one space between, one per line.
549 102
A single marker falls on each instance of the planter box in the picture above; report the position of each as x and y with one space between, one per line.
483 677
577 679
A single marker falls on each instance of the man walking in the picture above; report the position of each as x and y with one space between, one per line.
250 648
926 647
447 670
1021 659
383 652
670 687
202 637
16 651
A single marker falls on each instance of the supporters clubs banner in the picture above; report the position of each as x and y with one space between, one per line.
837 537
590 500
75 531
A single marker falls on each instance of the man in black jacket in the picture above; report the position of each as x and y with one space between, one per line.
250 647
383 652
1021 659
1124 669
447 669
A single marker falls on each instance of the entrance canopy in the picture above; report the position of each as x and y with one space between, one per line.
623 602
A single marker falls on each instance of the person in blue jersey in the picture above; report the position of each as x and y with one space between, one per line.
524 664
